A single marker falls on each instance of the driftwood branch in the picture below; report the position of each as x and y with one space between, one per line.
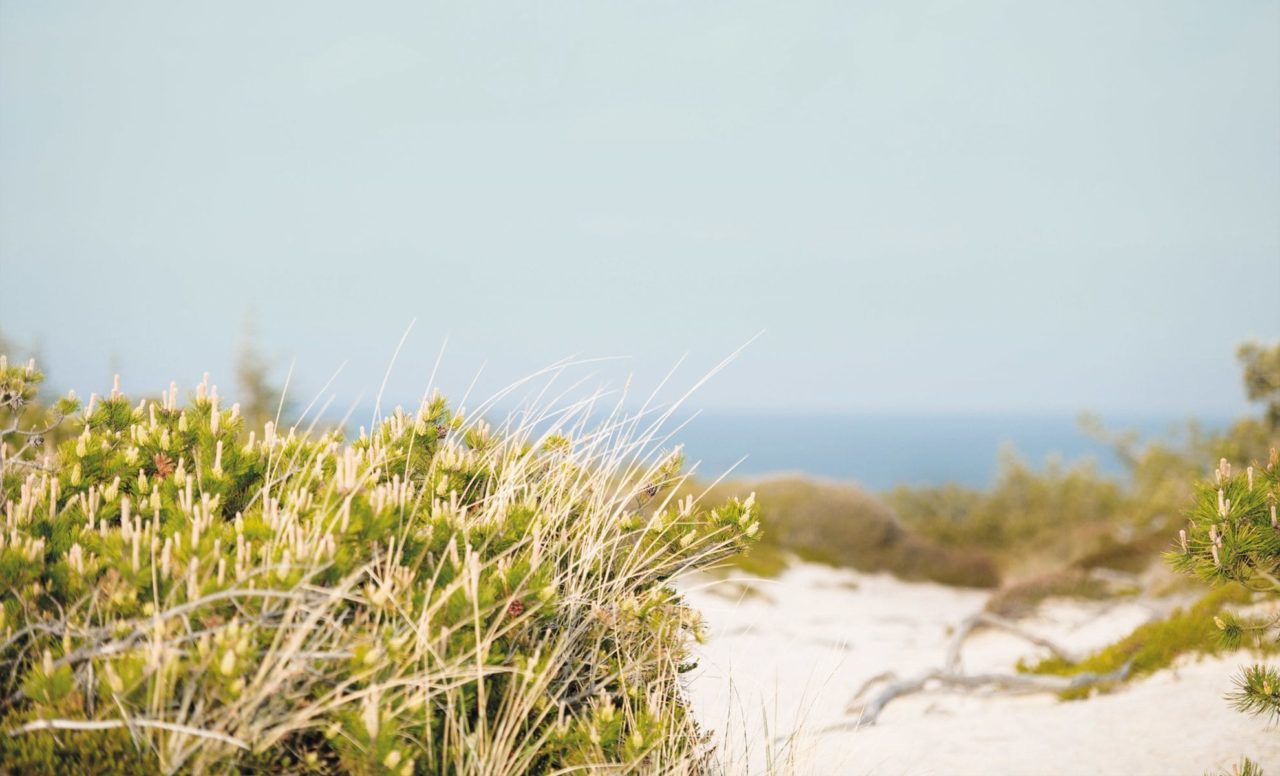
981 620
898 688
951 674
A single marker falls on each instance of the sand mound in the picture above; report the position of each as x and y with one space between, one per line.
788 662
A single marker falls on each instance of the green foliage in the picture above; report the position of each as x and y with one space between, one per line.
766 559
1071 514
1233 537
261 399
1262 377
1258 691
1155 645
1232 532
1066 517
1025 507
842 525
180 590
99 752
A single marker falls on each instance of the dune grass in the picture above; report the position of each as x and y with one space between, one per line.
182 592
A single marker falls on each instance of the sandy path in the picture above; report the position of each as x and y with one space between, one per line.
794 660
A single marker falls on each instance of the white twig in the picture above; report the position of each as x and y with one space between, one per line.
111 724
1011 682
951 674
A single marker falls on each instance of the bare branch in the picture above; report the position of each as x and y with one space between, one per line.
111 724
870 712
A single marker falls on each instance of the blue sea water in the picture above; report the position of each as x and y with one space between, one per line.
880 451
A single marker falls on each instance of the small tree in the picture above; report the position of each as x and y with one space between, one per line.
1233 535
1262 378
261 399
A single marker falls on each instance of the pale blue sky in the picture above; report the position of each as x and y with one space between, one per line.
925 206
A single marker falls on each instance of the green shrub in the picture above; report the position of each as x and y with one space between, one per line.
1233 535
1023 507
1072 515
1233 538
841 525
1202 629
181 592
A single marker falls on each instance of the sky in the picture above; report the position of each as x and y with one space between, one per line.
917 206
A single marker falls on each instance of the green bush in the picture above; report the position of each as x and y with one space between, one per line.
1233 538
1202 629
1023 508
180 592
844 526
1232 535
1072 515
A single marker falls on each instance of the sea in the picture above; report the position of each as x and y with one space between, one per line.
880 451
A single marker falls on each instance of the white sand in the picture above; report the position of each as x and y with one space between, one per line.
794 661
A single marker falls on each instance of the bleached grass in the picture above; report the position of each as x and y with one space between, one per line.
435 596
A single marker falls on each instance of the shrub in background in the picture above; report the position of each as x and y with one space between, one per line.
1028 516
181 592
843 525
1072 514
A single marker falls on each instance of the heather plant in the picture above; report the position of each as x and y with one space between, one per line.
182 591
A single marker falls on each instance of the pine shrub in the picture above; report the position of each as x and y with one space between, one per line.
183 593
1233 535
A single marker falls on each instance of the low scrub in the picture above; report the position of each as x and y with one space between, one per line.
1207 627
1024 507
844 526
1073 515
183 593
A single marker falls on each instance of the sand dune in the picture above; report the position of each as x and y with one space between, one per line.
787 660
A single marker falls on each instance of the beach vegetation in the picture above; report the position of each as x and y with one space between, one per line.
184 589
1207 627
842 525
